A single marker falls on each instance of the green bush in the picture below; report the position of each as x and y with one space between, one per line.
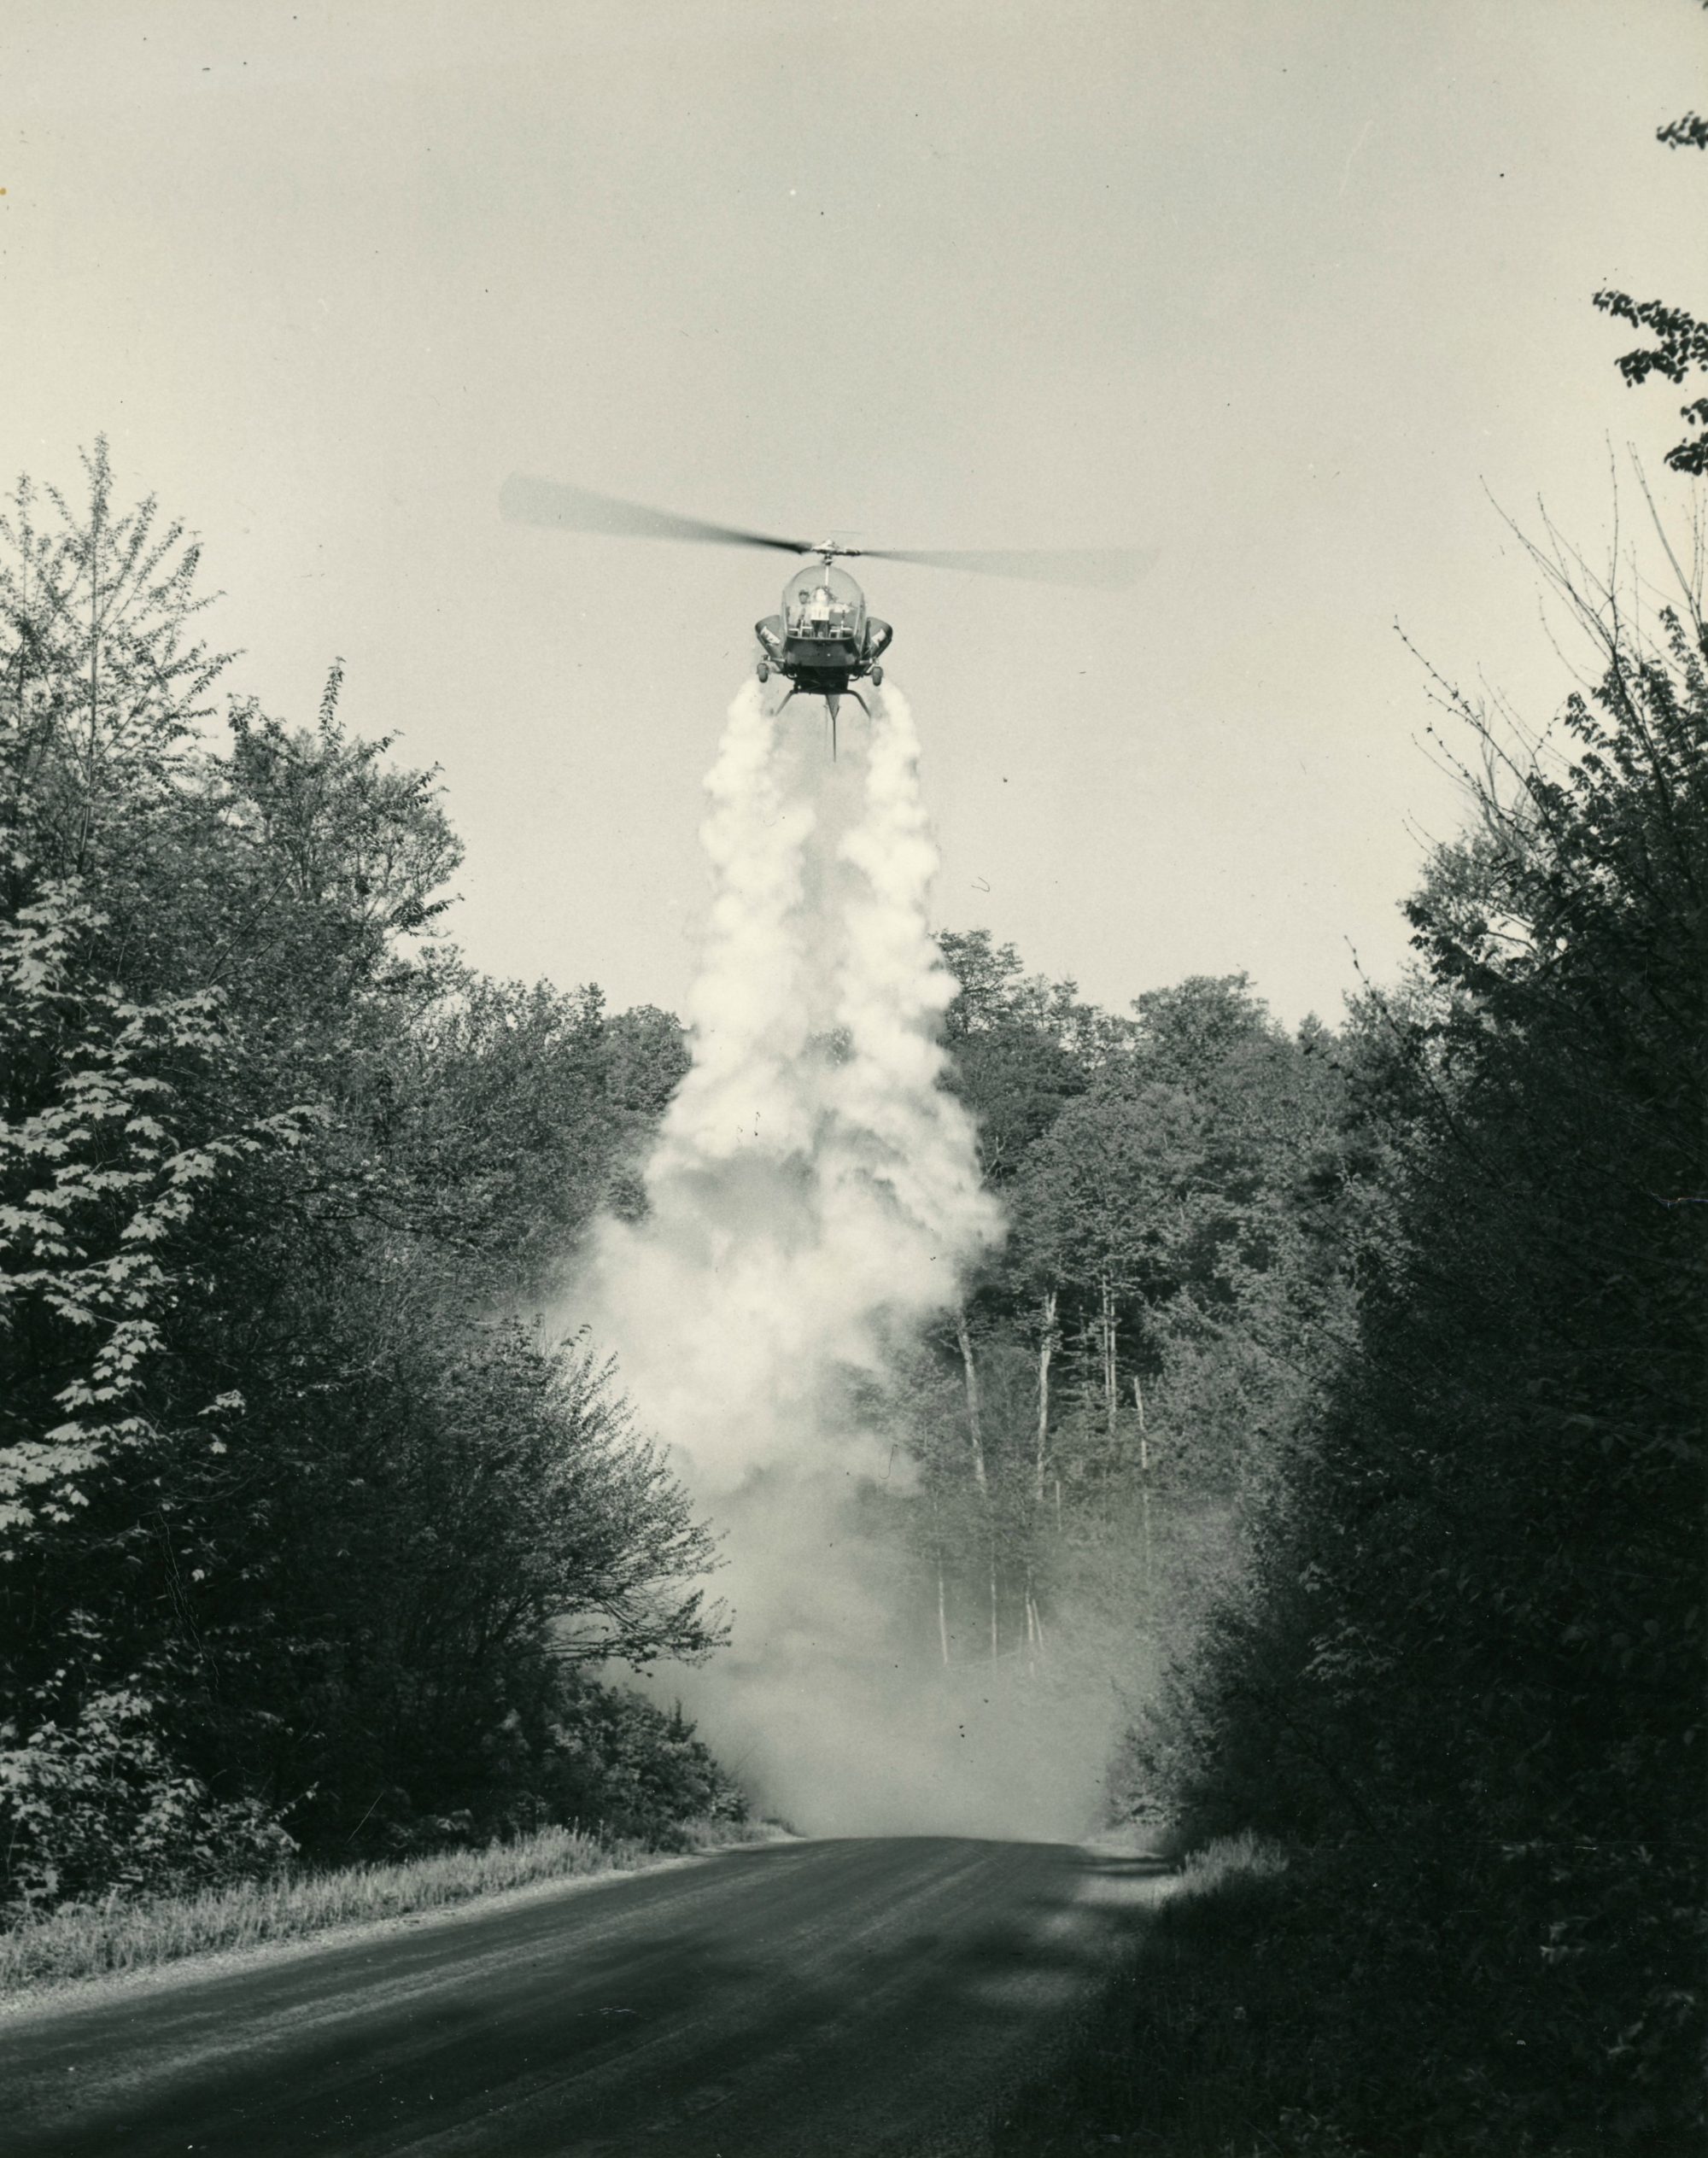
618 1762
97 1807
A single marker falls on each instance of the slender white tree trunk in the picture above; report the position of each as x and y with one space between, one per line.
975 1432
1034 1625
942 1599
1046 1346
1108 1331
1046 1349
1143 1482
975 1429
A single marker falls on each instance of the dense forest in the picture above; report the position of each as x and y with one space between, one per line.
1335 1394
308 1541
1180 1186
1387 1353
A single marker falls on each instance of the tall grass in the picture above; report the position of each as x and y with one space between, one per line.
94 1940
1224 1858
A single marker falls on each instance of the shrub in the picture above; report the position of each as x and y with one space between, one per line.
98 1806
635 1770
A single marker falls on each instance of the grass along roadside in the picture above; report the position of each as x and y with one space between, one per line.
87 1941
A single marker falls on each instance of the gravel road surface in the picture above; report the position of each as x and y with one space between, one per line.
806 2000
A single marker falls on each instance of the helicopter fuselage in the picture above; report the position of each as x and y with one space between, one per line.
823 639
821 666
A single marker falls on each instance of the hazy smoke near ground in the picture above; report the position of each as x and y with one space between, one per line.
815 1199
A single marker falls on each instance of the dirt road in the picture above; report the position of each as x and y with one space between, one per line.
807 2000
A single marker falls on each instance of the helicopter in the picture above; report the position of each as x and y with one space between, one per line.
822 639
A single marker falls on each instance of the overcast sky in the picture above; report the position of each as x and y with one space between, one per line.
1287 290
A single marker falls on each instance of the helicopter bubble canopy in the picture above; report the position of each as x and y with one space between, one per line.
822 601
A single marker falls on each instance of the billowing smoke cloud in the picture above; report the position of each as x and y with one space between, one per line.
814 1200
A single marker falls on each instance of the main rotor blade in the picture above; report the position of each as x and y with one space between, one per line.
1106 568
526 500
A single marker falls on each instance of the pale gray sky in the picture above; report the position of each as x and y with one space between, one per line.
1282 288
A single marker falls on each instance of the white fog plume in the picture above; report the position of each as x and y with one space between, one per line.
811 1184
814 1195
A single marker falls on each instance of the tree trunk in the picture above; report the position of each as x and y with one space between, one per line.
974 1427
1046 1345
1107 1318
942 1601
1034 1625
1143 1482
975 1432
